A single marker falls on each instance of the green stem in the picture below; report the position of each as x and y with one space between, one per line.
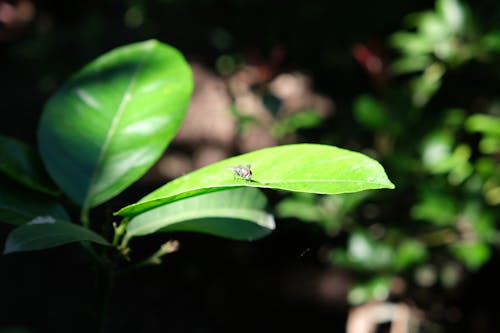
84 217
155 258
119 231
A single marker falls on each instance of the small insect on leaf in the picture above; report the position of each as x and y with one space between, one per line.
242 171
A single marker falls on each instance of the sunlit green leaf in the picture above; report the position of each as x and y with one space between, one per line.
364 253
490 144
434 27
483 123
411 43
453 13
113 119
436 150
309 168
409 253
363 250
472 254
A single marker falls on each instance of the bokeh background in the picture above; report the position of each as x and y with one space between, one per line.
414 84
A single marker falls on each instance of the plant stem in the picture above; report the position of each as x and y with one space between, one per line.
155 258
105 279
84 217
119 231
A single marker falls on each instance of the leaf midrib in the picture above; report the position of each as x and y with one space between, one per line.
264 184
114 124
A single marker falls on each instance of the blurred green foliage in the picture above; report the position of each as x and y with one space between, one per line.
442 153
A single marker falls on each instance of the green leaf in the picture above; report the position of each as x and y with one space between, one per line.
433 27
490 144
438 208
436 150
366 252
105 128
44 234
410 252
309 168
454 14
329 211
300 120
411 44
235 214
491 40
409 64
22 164
473 254
370 113
489 126
483 123
377 288
302 206
19 205
426 85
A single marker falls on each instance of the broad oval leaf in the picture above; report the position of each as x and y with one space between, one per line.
21 163
235 214
309 168
46 233
19 205
112 120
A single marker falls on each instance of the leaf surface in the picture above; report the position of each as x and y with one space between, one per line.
44 234
19 205
113 119
235 214
309 168
21 163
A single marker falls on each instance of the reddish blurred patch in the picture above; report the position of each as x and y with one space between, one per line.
372 57
14 17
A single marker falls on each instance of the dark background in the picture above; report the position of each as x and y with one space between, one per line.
214 285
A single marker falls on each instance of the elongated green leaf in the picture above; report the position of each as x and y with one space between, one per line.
47 233
302 168
235 213
19 205
22 164
483 123
104 129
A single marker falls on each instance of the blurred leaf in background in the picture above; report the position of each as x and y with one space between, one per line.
442 151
